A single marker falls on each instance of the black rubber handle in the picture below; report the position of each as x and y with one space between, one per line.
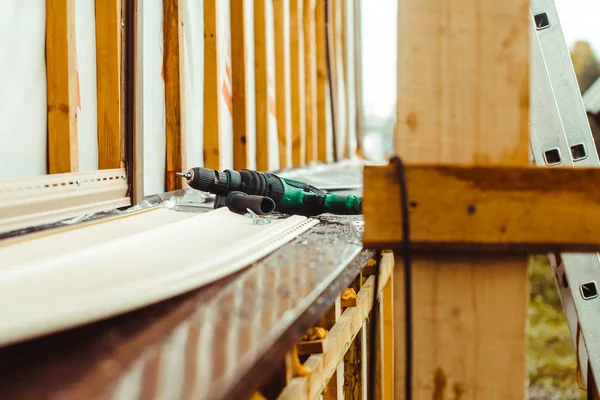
238 202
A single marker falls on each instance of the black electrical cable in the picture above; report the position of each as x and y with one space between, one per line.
407 253
330 79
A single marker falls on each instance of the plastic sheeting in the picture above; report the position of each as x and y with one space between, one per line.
23 95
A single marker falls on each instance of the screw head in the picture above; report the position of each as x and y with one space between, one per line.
78 182
123 176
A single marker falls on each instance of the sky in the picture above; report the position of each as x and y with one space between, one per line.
578 18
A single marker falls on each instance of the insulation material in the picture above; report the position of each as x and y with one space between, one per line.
350 76
250 85
23 97
193 79
225 109
154 119
273 140
87 107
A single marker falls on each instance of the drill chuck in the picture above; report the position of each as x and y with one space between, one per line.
208 180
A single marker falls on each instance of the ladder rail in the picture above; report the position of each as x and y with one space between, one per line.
559 124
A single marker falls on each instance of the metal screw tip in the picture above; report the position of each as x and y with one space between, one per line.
186 175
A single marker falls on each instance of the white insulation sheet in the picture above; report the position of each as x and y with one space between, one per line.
23 94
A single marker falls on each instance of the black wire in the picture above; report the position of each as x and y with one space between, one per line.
407 253
407 275
330 79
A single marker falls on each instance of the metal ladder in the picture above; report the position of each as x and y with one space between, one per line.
561 136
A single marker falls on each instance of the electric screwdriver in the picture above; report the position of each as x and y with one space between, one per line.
290 196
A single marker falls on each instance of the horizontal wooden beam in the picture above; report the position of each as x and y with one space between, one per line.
485 209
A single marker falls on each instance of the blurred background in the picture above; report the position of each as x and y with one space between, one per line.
551 357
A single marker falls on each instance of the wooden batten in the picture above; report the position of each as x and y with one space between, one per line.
357 64
108 78
212 80
310 79
281 20
469 326
61 79
266 124
298 84
322 81
174 92
325 367
239 41
137 167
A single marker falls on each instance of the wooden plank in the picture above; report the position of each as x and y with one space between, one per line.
265 103
282 80
469 315
212 86
337 66
239 42
137 180
61 79
174 91
310 79
322 81
108 79
344 13
298 83
485 209
358 84
388 338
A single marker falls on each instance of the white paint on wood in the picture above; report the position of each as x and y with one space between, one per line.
155 141
87 111
193 30
23 119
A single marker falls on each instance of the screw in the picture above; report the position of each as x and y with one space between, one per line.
78 182
123 24
123 176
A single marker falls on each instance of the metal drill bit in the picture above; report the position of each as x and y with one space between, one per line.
185 175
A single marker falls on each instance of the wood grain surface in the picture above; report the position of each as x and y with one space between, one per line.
463 97
485 209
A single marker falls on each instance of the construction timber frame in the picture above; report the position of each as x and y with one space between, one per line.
277 77
475 204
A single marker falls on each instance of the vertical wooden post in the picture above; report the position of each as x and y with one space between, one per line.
387 317
335 386
61 79
469 63
298 116
138 100
108 81
212 85
265 99
174 90
310 79
322 81
238 82
282 79
359 107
